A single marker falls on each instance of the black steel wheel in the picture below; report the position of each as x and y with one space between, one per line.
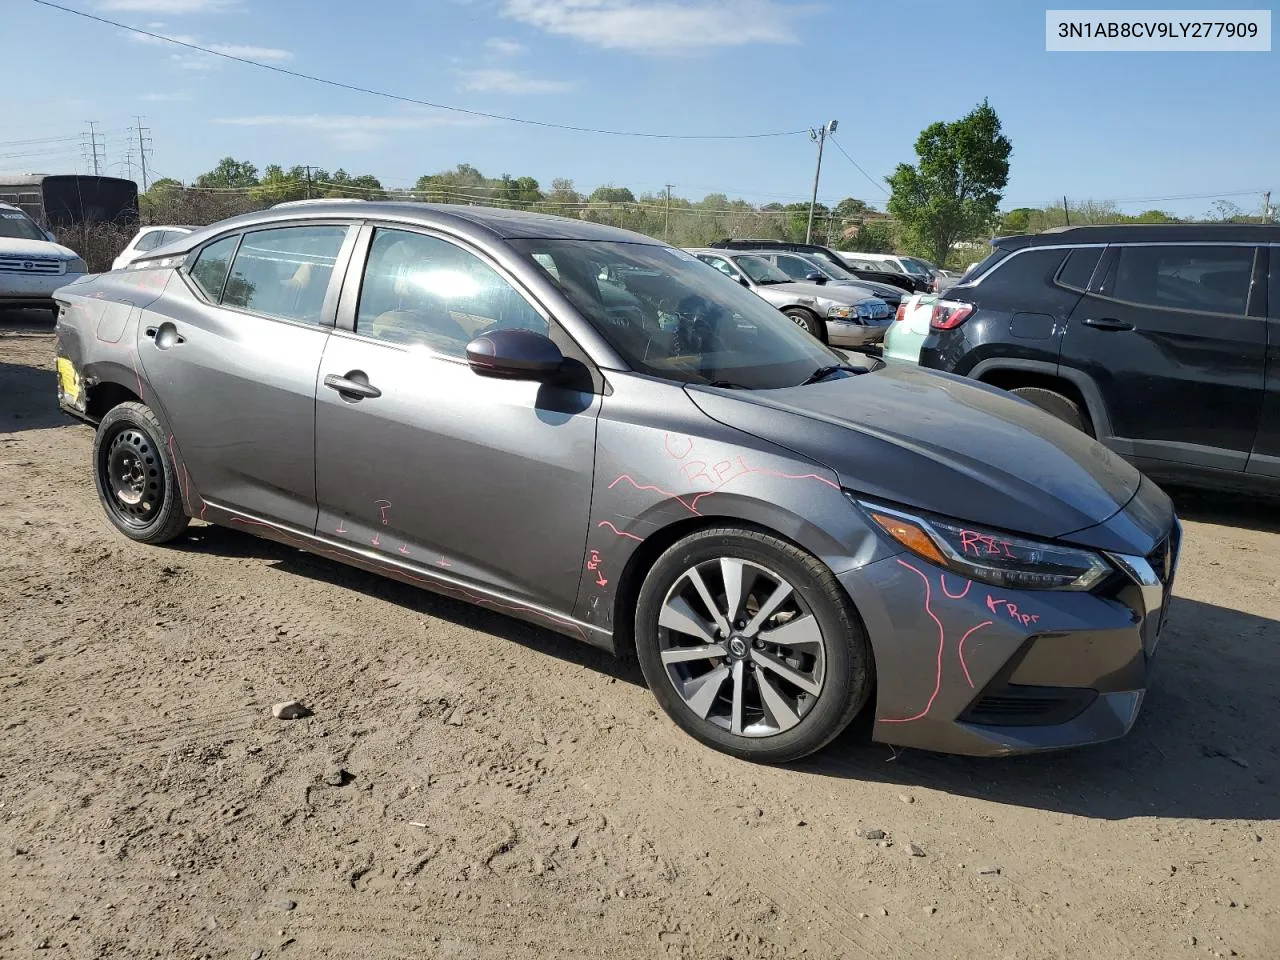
135 476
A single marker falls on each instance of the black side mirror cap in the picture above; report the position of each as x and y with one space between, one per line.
816 277
515 355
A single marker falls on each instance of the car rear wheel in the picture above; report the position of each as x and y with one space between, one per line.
1052 402
750 645
803 318
135 476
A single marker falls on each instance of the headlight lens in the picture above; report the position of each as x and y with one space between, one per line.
989 555
77 265
841 312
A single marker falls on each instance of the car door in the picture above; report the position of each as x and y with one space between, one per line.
427 463
1265 459
1175 343
232 357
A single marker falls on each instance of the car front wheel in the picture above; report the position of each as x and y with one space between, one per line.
750 645
135 476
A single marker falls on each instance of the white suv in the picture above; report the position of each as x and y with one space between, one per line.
32 265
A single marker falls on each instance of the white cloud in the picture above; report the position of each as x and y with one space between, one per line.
504 47
197 60
661 27
357 131
173 7
509 81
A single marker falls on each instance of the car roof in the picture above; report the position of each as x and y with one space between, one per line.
481 223
1146 233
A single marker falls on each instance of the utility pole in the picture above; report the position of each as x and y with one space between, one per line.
94 158
308 181
142 151
819 137
1065 212
666 222
1266 207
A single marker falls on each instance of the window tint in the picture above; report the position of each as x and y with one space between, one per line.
210 270
150 240
986 263
285 272
1023 275
425 291
1212 279
1078 268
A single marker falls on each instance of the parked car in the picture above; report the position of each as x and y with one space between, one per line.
845 316
1161 341
806 268
863 270
914 267
32 263
146 239
445 396
910 328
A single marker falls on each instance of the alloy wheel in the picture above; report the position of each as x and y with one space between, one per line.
741 648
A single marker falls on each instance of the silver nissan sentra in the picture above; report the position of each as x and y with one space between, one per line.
596 432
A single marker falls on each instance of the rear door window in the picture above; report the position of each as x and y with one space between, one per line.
285 272
1210 279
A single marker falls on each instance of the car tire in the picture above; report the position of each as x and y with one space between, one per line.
804 318
135 476
1051 402
785 699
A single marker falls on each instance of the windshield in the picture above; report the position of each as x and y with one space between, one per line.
672 316
15 225
761 271
910 266
797 267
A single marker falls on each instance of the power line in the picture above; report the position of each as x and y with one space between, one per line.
879 185
403 99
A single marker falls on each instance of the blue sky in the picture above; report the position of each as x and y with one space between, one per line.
1120 126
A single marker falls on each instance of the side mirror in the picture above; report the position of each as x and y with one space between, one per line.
744 281
816 277
514 355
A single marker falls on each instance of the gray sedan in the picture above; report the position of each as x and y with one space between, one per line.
847 316
596 432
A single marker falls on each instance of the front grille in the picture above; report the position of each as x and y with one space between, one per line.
1012 705
31 265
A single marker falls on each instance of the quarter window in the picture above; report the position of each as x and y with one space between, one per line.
285 272
424 291
210 269
1078 267
1209 278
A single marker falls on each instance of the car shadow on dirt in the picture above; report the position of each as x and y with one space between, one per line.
1204 747
28 399
1243 511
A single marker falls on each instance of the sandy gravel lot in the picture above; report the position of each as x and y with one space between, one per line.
473 787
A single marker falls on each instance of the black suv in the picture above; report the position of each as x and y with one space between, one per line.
1161 341
901 280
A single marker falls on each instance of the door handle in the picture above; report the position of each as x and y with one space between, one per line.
1106 323
354 386
166 335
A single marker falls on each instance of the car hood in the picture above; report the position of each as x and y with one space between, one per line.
821 291
942 444
12 247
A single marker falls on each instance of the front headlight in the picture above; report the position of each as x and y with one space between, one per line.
77 265
989 555
841 312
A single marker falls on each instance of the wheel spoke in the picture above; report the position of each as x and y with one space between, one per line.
677 615
700 585
769 608
784 718
785 671
700 693
802 632
683 654
735 718
733 573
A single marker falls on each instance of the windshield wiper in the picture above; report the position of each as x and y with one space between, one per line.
726 385
823 372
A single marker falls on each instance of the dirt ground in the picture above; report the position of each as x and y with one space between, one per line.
509 793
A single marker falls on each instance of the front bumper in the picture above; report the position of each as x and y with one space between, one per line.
35 288
966 668
856 333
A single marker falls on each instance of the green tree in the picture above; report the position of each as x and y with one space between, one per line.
230 173
873 237
611 194
952 192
